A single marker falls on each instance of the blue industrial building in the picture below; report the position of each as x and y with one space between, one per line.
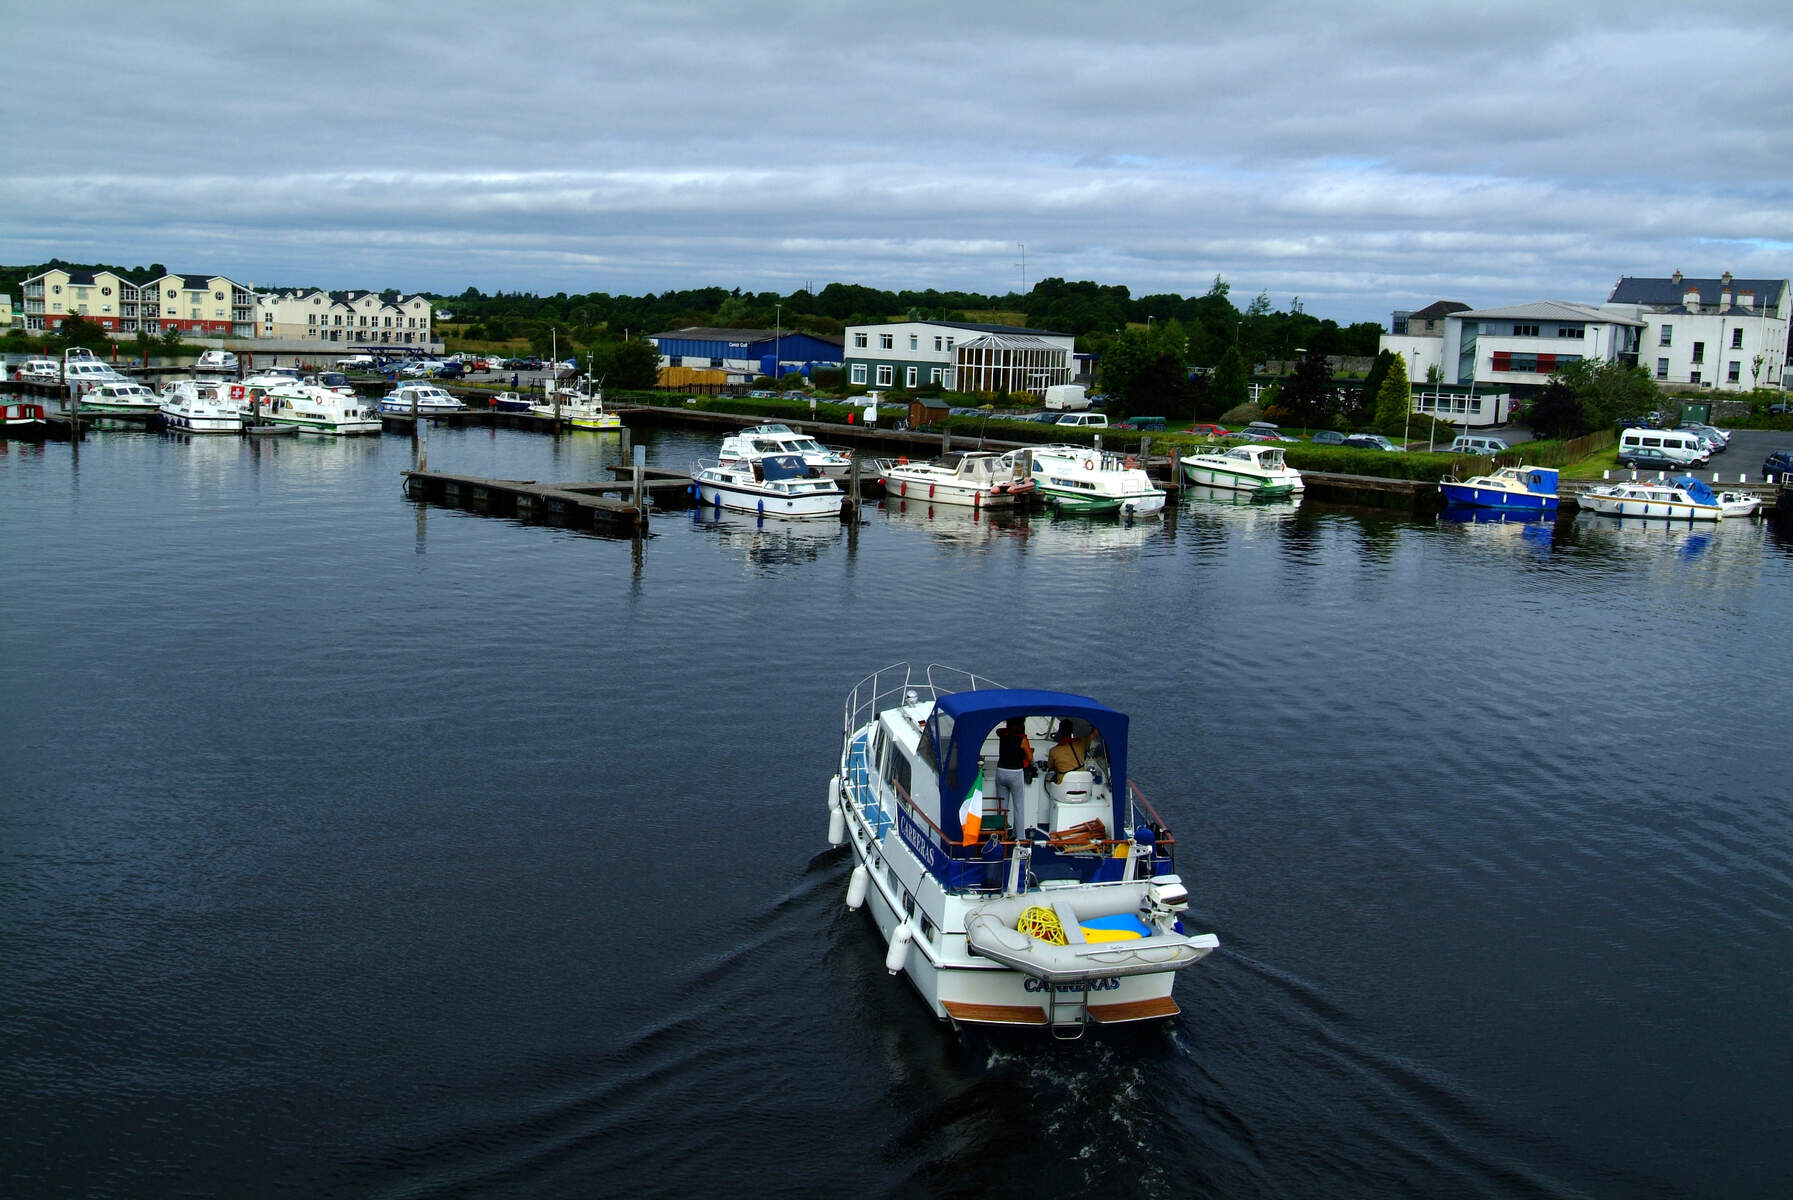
747 352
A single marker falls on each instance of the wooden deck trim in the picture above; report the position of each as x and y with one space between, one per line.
1135 1010
994 1014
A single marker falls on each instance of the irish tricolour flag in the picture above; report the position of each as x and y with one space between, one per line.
971 813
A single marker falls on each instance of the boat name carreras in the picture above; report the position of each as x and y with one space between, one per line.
1045 895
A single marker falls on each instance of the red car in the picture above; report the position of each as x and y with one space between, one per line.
1218 431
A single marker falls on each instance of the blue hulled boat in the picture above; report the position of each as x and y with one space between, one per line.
1522 489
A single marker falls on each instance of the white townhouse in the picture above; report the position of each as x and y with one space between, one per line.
1724 333
1521 346
344 318
960 356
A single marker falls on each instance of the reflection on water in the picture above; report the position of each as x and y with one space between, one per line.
953 524
767 543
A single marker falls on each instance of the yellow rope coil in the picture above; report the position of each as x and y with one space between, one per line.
1042 923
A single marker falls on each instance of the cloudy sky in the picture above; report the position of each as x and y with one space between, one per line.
1362 157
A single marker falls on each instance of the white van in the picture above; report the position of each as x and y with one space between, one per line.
1678 445
1082 421
1066 397
1477 443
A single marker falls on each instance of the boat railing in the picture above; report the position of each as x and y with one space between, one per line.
882 689
1140 802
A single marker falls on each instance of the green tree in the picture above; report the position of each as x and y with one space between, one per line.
76 330
171 336
1372 384
1229 387
1127 357
1608 391
632 364
1393 397
1308 397
1556 412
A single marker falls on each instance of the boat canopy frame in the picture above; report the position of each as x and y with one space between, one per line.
962 721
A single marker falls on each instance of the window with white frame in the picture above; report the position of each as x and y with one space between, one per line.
1667 337
936 343
1736 339
859 374
914 341
884 375
1733 372
1662 368
909 377
886 341
1699 352
859 342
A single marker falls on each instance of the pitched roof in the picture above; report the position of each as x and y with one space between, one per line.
1546 310
1437 310
1654 292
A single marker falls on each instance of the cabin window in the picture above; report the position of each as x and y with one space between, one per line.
901 773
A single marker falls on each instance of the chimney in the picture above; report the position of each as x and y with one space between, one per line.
1676 278
1726 279
1724 296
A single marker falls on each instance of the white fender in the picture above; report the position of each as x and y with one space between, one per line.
837 826
856 885
898 954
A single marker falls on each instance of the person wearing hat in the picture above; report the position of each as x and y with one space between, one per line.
1071 752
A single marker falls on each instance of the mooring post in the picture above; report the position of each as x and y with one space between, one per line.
638 460
946 440
422 439
416 425
853 483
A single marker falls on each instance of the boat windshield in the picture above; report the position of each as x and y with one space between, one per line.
783 466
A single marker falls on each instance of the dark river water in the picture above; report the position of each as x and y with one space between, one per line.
354 847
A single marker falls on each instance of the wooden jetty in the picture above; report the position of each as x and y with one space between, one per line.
620 504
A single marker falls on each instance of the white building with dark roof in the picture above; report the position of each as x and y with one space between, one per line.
960 356
1724 333
359 318
1522 345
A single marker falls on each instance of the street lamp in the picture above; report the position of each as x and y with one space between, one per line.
777 342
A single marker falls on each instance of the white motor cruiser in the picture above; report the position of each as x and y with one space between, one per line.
1253 467
779 485
760 440
974 477
1054 907
200 406
312 408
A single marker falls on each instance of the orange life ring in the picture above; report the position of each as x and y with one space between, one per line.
1089 464
1130 464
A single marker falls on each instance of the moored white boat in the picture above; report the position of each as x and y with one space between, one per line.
1082 479
200 406
975 478
580 404
779 485
1682 498
121 396
425 399
311 408
1056 906
1254 467
758 441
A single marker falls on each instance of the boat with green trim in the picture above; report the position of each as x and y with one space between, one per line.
1078 479
1253 467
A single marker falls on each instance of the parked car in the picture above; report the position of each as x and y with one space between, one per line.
1719 436
1205 429
1651 458
1146 424
1263 431
1328 437
1369 441
1779 409
760 394
356 362
1081 420
450 370
1476 443
1778 465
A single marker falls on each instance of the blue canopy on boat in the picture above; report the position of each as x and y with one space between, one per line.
1541 480
963 720
783 466
1697 490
